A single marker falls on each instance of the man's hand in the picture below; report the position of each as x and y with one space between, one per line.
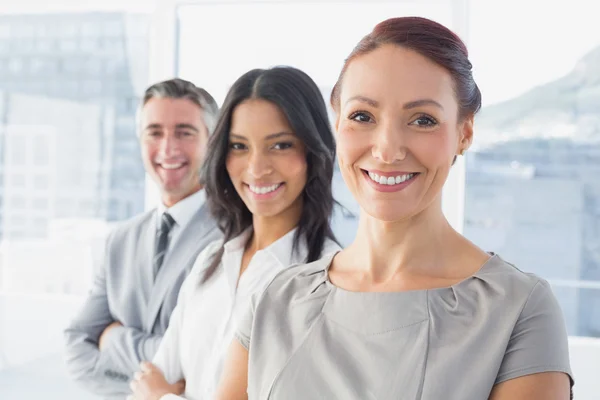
106 330
150 384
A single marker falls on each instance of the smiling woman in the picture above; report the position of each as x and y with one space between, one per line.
428 130
271 133
407 310
267 161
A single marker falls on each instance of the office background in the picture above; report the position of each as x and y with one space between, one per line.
70 79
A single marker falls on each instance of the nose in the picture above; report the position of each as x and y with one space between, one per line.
169 145
259 165
389 144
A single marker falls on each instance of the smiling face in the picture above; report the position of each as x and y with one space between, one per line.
173 140
398 131
266 160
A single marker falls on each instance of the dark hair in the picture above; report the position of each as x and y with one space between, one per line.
181 89
301 101
431 40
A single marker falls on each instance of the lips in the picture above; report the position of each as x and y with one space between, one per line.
171 173
389 181
171 166
264 189
394 179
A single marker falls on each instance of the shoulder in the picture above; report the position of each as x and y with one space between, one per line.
130 226
497 290
291 301
513 282
205 257
192 280
204 216
511 291
299 282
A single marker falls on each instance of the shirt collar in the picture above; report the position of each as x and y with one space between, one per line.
184 210
282 251
238 242
279 249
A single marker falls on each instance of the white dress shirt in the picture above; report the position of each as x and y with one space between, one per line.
182 212
202 326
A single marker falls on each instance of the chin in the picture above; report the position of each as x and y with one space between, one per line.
264 213
173 189
266 210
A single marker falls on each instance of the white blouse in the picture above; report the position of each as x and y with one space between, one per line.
203 324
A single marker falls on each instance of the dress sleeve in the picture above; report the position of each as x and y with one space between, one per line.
538 342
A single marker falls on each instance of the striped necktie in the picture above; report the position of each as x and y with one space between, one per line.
162 241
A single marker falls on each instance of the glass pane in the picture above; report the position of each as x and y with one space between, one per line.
61 138
532 187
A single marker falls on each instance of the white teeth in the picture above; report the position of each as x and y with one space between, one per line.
264 189
171 166
385 180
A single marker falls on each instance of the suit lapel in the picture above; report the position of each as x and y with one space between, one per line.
145 251
178 258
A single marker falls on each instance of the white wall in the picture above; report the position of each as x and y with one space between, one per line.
585 362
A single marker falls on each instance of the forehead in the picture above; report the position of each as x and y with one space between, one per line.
169 111
392 73
258 116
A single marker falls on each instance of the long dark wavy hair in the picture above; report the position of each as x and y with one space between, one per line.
301 101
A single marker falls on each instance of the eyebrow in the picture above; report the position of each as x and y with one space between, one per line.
178 126
269 137
364 99
407 106
422 102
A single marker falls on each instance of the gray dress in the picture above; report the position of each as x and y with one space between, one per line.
309 339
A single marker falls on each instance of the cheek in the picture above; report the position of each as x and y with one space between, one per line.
233 167
203 144
195 150
293 167
351 146
148 151
433 151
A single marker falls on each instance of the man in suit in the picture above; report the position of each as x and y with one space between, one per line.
148 257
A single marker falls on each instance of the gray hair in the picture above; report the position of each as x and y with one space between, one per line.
181 89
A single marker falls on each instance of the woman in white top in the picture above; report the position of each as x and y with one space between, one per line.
268 176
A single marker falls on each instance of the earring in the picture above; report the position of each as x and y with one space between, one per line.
462 152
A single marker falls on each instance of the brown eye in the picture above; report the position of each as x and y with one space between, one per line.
361 116
237 146
425 121
282 146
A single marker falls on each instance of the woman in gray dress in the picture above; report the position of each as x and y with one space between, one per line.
411 309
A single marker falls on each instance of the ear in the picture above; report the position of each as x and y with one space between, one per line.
466 134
